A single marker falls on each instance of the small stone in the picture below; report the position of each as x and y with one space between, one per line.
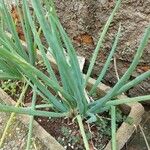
72 146
17 129
1 120
70 131
39 120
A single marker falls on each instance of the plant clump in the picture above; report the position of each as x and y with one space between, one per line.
68 98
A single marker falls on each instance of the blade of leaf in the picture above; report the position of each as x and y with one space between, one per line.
31 120
38 42
99 44
27 68
27 33
73 60
29 111
107 63
134 82
98 103
62 63
12 27
113 127
116 102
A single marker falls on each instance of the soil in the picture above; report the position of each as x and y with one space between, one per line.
67 133
84 20
137 141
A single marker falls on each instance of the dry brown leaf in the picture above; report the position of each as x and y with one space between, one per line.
17 21
84 38
143 68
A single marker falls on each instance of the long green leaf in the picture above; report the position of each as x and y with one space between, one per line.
128 100
12 27
29 111
99 44
27 33
134 82
38 42
85 140
73 61
75 83
113 128
31 120
116 102
52 41
27 68
106 65
59 55
100 102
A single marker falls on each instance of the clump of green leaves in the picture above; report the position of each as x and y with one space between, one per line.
9 86
68 99
12 88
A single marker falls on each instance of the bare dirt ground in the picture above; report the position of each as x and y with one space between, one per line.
84 19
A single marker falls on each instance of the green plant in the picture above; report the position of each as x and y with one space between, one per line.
12 88
66 133
70 98
9 86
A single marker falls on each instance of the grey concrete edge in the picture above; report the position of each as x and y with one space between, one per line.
125 131
39 132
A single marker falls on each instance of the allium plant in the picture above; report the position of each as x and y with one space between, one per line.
67 97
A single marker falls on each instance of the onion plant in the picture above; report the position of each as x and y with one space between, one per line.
67 97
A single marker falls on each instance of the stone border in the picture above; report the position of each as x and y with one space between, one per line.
39 132
133 110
